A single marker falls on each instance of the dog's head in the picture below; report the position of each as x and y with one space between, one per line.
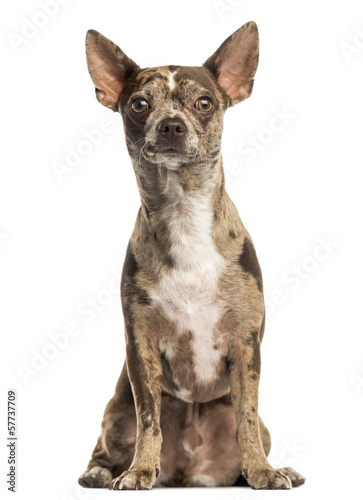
173 115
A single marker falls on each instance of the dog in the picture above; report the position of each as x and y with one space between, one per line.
185 409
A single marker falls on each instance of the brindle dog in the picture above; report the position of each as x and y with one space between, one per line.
191 287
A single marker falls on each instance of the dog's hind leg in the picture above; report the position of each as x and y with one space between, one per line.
265 437
116 446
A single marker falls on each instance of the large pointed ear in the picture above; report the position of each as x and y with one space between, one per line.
109 68
234 64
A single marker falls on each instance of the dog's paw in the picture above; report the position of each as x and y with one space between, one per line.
135 479
97 477
268 479
295 478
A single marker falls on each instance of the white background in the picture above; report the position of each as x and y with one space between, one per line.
63 237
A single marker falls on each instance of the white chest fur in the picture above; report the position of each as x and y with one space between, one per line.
188 295
189 300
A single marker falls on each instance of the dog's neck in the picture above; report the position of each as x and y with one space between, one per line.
179 206
164 190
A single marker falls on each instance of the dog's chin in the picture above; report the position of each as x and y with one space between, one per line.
169 158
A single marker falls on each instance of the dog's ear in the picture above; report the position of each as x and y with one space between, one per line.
234 64
109 68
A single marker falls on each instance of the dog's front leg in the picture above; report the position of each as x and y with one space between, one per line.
244 372
144 370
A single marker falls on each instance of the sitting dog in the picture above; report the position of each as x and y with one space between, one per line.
185 410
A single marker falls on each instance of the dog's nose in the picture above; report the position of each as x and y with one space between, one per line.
172 127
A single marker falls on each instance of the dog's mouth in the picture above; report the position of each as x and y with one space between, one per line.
167 154
171 151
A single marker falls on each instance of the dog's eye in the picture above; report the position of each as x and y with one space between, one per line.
204 104
140 105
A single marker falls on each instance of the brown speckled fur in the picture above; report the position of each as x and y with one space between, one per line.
191 288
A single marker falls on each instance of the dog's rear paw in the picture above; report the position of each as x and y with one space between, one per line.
295 478
135 479
97 477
